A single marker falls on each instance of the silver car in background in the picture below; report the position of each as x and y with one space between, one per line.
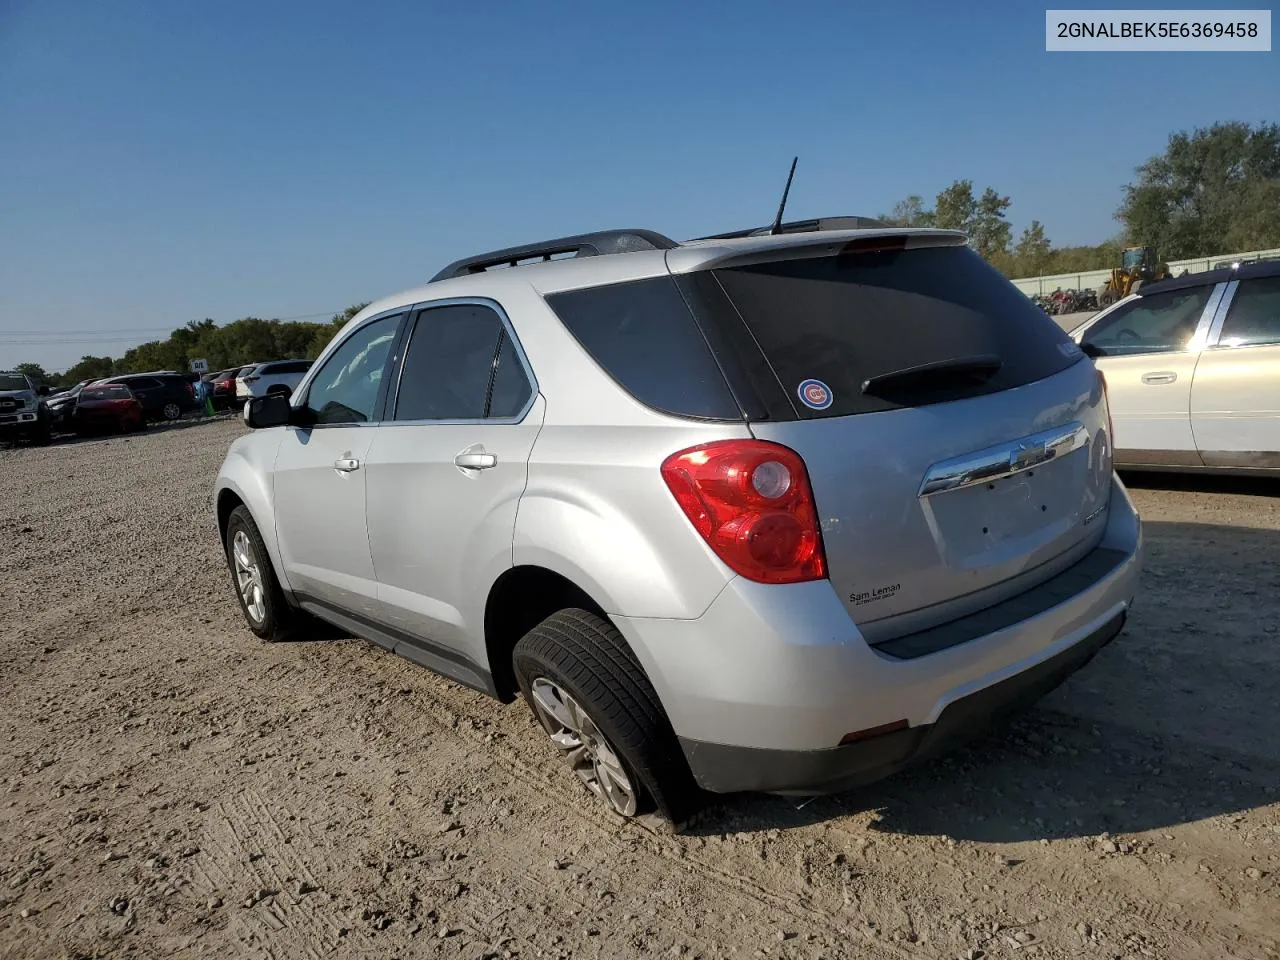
1192 367
776 512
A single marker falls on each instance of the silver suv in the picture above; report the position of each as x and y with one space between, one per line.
774 513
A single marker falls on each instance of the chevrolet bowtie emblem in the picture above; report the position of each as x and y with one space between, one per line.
1029 454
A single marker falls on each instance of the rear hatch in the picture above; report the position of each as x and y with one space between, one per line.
954 435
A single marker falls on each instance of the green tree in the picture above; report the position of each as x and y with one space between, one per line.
909 212
35 372
955 208
88 368
1033 253
1214 190
990 232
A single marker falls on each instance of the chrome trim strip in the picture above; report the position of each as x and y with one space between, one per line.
1004 460
1220 315
1205 332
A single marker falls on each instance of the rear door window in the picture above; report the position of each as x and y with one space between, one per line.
460 364
1254 318
882 328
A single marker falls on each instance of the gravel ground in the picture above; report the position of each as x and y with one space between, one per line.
173 787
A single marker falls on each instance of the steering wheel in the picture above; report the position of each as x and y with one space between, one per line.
1125 333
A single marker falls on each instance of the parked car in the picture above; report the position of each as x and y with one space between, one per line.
164 396
24 416
224 385
719 536
107 408
62 404
280 376
1192 365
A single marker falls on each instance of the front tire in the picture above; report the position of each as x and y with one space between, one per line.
586 688
262 601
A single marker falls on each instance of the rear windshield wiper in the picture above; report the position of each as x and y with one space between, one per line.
971 369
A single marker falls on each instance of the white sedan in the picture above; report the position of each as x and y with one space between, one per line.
1192 367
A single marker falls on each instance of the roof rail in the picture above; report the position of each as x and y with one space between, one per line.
583 245
804 226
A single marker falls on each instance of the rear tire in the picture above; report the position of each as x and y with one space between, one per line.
171 411
575 658
262 601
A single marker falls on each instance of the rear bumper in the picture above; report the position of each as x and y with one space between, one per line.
728 769
764 686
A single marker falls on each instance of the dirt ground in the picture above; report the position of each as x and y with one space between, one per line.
171 787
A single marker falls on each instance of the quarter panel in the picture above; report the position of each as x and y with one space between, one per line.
597 511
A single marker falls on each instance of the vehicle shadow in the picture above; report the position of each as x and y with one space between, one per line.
1172 722
1252 486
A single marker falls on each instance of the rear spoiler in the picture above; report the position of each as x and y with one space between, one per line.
706 255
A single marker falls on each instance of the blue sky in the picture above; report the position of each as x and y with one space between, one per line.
166 161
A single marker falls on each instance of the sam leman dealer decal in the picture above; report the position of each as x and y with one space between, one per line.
871 596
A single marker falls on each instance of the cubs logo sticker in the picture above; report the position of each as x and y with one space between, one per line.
815 394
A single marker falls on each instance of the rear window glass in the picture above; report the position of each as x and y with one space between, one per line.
643 335
832 326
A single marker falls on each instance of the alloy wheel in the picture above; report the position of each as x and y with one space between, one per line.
249 577
590 754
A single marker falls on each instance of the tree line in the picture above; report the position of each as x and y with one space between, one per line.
244 341
1214 190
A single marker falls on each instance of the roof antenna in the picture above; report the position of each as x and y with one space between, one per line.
777 222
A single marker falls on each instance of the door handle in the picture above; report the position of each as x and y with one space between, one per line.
346 464
1166 376
476 461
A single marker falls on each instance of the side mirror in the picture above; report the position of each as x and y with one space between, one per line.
273 410
1090 350
43 390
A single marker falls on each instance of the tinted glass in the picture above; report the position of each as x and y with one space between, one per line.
511 388
449 364
115 392
142 383
346 388
642 334
13 381
1160 323
836 327
1254 317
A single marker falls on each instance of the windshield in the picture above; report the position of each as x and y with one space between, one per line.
114 392
13 381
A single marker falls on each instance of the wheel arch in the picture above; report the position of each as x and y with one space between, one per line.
521 598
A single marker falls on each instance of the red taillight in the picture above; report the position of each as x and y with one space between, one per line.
751 501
